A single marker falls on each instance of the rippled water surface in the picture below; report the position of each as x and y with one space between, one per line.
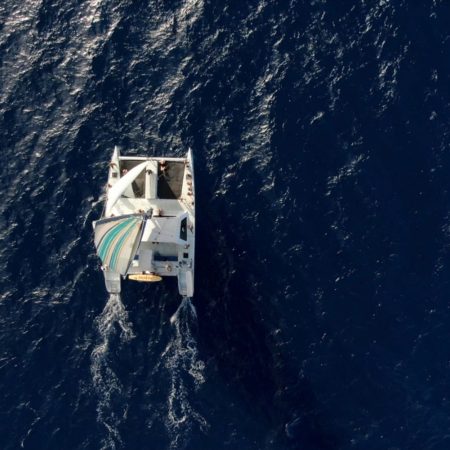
321 140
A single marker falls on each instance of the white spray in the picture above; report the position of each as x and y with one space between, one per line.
186 375
105 381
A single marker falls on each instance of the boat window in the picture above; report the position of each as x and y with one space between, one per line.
161 258
183 229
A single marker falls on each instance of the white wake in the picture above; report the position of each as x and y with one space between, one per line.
185 371
113 319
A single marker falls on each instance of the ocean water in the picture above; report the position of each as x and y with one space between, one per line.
321 138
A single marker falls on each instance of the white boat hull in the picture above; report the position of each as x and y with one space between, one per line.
147 230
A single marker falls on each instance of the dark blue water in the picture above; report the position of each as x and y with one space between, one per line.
321 137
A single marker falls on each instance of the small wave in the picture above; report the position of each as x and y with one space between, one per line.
186 375
106 383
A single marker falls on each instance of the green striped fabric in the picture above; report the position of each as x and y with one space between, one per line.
115 240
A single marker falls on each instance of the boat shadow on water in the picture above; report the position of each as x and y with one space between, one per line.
241 344
242 335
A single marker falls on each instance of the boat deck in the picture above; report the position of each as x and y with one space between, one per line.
166 208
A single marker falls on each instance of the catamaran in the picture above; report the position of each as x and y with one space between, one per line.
147 228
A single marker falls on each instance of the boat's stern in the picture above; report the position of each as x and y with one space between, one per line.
112 281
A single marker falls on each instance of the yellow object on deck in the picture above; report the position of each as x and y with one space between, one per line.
147 277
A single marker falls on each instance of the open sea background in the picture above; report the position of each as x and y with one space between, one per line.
321 138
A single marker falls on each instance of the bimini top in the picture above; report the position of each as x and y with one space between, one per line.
117 240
